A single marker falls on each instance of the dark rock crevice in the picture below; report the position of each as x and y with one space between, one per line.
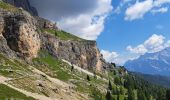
10 33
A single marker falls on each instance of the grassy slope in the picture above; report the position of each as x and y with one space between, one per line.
58 69
8 93
12 68
63 35
8 7
95 88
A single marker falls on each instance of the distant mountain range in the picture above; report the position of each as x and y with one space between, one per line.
151 63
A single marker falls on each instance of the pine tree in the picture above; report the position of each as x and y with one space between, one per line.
114 72
72 68
141 95
113 64
122 92
117 90
110 85
131 95
117 80
161 95
118 97
56 34
168 94
88 78
108 96
114 90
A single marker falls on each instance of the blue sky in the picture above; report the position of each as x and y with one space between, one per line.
123 29
120 33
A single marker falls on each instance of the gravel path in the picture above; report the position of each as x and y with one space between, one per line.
3 79
83 70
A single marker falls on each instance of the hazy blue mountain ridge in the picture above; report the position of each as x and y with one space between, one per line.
151 63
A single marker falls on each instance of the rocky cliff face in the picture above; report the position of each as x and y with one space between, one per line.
84 54
20 33
24 4
21 36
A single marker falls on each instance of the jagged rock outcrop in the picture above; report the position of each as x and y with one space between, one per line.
44 23
20 33
22 37
4 48
24 4
82 53
3 44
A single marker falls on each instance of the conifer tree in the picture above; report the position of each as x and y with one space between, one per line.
108 95
88 78
110 85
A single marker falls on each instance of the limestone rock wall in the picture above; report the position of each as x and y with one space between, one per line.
20 36
84 54
20 33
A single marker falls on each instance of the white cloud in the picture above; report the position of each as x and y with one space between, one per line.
160 10
122 58
109 56
154 44
85 26
167 44
158 3
125 1
119 59
87 22
139 9
140 49
117 10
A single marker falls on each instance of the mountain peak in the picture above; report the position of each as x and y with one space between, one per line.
152 63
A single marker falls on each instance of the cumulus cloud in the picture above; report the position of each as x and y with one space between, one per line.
160 10
109 56
154 44
119 59
140 49
84 18
139 9
117 9
167 44
159 3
